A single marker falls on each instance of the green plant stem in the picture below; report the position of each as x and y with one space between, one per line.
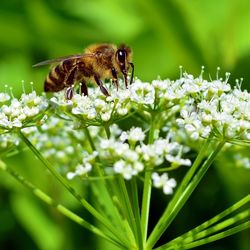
169 215
88 135
196 164
189 175
201 228
62 209
107 130
136 210
218 227
146 205
217 236
64 182
147 187
129 208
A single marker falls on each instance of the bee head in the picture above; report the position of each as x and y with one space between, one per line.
123 59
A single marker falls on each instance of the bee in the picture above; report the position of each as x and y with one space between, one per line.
97 63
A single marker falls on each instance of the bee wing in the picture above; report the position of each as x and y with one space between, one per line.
60 59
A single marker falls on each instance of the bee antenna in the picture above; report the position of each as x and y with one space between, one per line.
132 74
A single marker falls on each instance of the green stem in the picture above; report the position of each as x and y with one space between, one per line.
218 227
171 212
62 209
218 236
107 130
129 210
136 210
147 187
64 182
146 205
201 228
89 137
190 173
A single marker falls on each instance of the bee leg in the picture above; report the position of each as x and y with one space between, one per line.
100 84
125 77
69 92
84 89
132 74
69 81
115 78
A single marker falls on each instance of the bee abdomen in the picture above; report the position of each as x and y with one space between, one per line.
55 79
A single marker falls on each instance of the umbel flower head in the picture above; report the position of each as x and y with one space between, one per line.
191 107
19 113
205 107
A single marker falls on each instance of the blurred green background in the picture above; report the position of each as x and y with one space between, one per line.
163 35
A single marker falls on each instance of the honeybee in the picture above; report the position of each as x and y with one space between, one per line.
98 62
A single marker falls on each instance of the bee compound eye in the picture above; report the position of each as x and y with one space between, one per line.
121 55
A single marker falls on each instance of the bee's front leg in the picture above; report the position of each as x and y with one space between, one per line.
125 77
69 92
69 83
100 84
84 89
115 77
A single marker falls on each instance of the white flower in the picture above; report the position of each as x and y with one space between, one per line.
128 170
130 155
164 182
115 130
142 92
85 167
133 135
163 146
8 140
99 104
4 97
81 170
177 160
122 111
148 154
16 123
16 113
106 116
122 167
6 110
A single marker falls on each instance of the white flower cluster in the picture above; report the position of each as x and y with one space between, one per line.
205 106
142 92
164 182
217 109
58 142
85 167
18 112
95 108
8 140
129 159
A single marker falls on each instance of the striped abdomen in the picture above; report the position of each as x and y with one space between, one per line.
61 76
